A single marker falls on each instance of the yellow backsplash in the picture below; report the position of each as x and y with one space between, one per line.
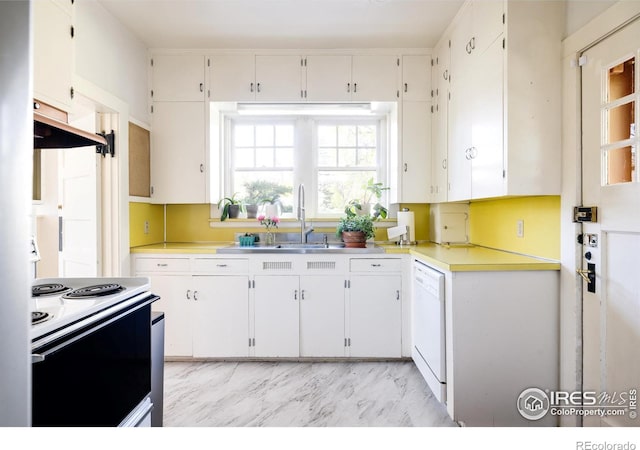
139 213
493 223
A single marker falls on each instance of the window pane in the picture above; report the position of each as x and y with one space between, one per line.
336 189
621 80
264 136
620 121
367 157
326 136
347 136
256 187
347 157
284 157
367 136
284 135
621 165
264 157
327 157
244 157
243 136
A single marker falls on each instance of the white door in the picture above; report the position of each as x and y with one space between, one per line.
220 316
276 316
78 207
322 316
176 301
611 252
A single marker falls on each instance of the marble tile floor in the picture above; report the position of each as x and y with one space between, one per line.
299 394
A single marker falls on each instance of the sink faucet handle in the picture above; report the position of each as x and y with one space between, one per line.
325 240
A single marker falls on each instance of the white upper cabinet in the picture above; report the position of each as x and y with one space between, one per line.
178 78
328 78
374 77
504 116
416 78
178 155
439 134
278 78
416 152
53 61
232 78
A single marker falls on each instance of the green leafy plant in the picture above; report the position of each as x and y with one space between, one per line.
226 204
355 222
370 190
263 191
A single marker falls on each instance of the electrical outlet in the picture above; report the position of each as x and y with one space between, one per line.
520 228
146 227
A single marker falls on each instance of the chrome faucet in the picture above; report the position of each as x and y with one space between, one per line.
304 230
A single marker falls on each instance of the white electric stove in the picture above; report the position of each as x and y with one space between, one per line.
59 302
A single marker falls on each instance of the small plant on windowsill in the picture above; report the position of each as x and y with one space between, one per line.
231 207
355 230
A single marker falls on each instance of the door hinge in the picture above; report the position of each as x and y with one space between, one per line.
151 62
585 214
431 62
503 18
449 43
73 32
398 62
504 173
72 92
151 109
398 93
151 190
582 60
504 43
151 93
208 62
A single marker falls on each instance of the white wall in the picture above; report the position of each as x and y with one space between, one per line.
580 12
111 57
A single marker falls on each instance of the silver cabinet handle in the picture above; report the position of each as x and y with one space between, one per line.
201 87
397 295
251 87
348 87
201 168
406 86
195 295
467 154
302 295
295 294
221 265
376 265
188 294
444 163
473 152
162 265
258 87
445 74
473 43
355 87
405 167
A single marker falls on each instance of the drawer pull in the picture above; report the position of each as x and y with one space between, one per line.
163 265
376 265
221 265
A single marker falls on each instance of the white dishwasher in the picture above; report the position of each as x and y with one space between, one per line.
428 351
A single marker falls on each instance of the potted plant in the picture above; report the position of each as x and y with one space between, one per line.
259 192
362 206
355 230
231 207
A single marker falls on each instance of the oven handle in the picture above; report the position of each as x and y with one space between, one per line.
40 357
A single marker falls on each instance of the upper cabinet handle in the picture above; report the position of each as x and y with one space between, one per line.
258 87
201 168
348 87
405 167
405 87
355 87
473 43
251 87
445 75
201 87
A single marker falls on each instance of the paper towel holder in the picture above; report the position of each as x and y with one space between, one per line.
404 238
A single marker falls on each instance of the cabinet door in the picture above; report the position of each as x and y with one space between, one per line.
178 78
439 122
375 316
416 152
487 135
178 152
221 316
276 316
416 77
460 112
488 24
53 54
328 78
278 78
374 78
176 301
322 316
232 78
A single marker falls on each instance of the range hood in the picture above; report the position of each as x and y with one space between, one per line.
52 130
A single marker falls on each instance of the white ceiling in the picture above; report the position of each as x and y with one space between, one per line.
276 24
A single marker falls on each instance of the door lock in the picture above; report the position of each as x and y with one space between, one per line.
589 276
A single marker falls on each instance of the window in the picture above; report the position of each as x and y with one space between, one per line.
333 156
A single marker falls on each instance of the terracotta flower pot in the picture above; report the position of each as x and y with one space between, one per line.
354 239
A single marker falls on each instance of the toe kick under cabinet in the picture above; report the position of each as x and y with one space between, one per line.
280 306
502 337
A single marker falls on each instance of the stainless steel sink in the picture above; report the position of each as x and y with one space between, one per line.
286 247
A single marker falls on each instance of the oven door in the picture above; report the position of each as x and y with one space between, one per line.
97 374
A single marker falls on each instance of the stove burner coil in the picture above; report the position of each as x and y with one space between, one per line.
41 290
39 316
98 290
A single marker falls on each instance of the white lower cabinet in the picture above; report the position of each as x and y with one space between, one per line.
305 306
276 312
322 313
220 320
375 316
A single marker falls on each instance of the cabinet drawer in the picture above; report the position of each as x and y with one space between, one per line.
375 265
162 265
220 265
